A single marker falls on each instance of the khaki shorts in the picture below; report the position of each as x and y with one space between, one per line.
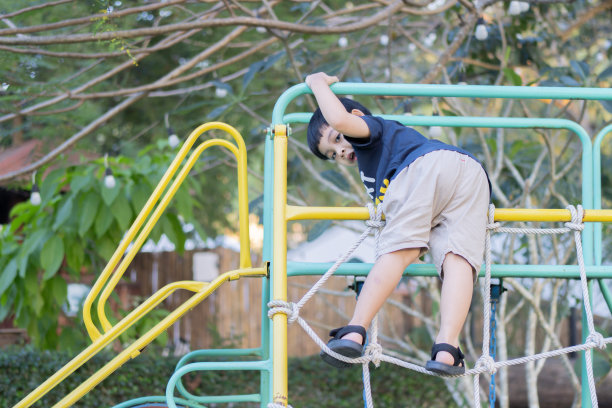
438 203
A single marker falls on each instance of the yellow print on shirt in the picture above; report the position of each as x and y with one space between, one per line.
383 190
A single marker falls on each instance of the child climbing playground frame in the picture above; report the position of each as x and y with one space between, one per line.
277 213
270 359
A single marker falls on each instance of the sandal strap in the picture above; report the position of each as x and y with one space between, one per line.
343 331
458 356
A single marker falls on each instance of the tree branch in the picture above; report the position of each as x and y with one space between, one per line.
212 23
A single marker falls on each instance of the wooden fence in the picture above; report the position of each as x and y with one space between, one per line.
232 314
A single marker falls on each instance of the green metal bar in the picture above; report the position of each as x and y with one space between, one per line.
256 352
497 270
471 91
467 91
503 122
261 366
155 399
266 327
597 198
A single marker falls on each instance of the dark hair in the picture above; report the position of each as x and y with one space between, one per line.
317 121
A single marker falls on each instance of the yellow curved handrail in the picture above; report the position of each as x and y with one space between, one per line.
245 256
201 291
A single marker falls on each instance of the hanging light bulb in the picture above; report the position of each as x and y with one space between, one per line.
524 6
481 30
384 40
173 139
342 42
435 132
35 192
261 29
109 179
220 92
515 8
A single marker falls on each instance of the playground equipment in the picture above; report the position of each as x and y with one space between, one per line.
271 356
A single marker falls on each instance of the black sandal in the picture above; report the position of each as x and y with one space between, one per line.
457 368
347 348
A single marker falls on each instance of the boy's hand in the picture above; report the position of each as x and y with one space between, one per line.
322 77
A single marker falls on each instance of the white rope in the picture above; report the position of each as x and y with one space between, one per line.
485 364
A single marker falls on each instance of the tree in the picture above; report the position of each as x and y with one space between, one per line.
106 79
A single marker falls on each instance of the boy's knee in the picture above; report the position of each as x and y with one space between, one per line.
405 256
454 263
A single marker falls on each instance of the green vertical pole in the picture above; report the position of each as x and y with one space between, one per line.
266 383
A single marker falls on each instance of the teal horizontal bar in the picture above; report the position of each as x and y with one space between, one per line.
431 90
497 271
460 121
154 400
230 398
256 352
262 365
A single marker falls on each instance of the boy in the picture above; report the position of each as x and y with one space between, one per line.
434 196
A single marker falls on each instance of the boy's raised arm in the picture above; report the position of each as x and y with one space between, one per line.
333 111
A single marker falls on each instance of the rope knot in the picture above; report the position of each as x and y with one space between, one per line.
375 220
597 339
577 213
493 226
291 309
375 223
487 363
374 352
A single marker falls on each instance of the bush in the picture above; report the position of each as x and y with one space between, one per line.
312 383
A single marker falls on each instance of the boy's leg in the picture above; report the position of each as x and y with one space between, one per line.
455 299
380 283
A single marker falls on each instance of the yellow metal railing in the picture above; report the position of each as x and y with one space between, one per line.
201 289
295 213
117 271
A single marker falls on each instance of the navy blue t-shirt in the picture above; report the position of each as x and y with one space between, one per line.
390 148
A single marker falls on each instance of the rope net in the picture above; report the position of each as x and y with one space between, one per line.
373 352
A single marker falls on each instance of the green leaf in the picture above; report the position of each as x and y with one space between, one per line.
103 221
75 255
569 81
23 213
63 213
183 202
79 182
174 230
580 68
122 212
51 256
607 105
88 212
140 193
50 184
32 241
59 289
109 194
605 73
8 275
106 247
318 229
218 111
513 77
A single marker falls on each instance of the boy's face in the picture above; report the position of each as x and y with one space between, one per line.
335 147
